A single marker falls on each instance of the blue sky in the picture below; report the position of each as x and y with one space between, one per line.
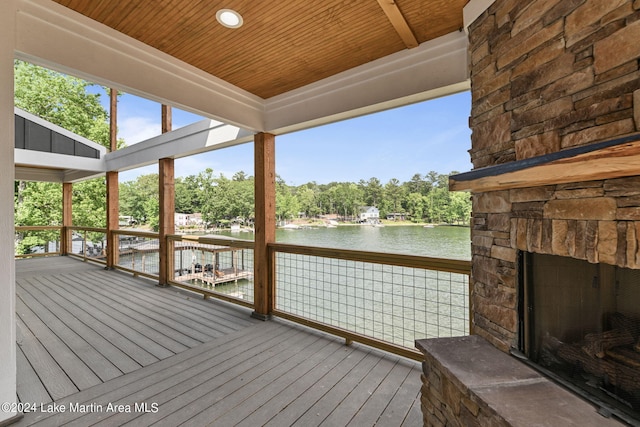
398 143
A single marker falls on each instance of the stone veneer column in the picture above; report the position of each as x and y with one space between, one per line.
545 76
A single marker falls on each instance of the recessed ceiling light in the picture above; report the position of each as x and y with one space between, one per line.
229 18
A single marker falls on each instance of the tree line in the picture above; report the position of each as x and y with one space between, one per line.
425 198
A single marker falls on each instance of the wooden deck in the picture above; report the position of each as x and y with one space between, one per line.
111 349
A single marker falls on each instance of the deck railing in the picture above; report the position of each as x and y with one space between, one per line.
37 241
380 299
138 252
88 243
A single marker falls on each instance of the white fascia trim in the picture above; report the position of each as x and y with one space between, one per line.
435 68
45 160
60 130
473 10
54 36
205 135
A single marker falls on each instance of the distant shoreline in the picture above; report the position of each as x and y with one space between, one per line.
386 223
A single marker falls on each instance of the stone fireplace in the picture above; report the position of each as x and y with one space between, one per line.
556 154
580 324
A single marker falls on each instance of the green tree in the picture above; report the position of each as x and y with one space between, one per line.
89 203
287 205
373 192
394 194
65 101
139 199
415 203
308 201
41 205
416 184
62 100
461 206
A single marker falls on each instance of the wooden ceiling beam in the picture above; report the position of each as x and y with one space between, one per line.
399 22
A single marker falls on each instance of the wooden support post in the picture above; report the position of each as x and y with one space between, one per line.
166 119
113 190
265 225
166 198
112 219
67 218
166 220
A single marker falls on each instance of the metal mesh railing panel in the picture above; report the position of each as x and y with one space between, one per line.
139 254
387 302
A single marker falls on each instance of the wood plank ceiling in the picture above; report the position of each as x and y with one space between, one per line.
283 44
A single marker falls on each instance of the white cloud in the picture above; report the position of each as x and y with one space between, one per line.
136 129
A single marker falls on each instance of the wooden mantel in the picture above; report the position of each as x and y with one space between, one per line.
603 160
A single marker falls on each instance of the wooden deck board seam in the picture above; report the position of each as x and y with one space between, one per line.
87 351
50 373
197 377
167 345
277 386
154 372
74 367
168 302
169 320
175 342
278 403
216 392
335 395
133 356
206 308
312 395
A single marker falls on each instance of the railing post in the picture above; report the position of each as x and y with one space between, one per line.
84 245
265 225
67 218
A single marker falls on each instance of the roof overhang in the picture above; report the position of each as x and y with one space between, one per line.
39 165
47 152
199 137
54 36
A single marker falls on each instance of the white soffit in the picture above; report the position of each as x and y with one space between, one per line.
433 69
59 38
42 166
205 135
56 37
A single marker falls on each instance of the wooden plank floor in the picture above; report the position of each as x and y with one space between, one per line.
91 340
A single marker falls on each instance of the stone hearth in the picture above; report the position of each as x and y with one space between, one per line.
498 391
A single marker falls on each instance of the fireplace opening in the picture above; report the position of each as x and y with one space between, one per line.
580 323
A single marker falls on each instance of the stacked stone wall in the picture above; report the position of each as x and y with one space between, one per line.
547 75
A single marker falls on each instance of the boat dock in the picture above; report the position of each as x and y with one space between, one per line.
225 275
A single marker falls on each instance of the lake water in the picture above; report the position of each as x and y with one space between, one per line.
439 242
392 303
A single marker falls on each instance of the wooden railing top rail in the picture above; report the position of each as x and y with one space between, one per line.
137 233
208 240
413 261
37 227
91 229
